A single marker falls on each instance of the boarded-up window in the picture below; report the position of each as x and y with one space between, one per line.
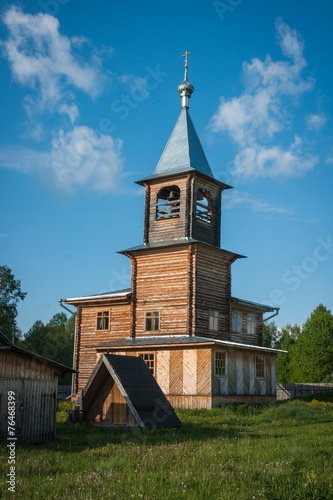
251 325
204 206
149 359
260 367
168 204
236 322
213 320
220 364
103 320
152 321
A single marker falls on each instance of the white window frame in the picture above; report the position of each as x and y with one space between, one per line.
251 324
213 320
237 319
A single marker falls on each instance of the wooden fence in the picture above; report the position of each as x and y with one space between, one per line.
287 391
64 391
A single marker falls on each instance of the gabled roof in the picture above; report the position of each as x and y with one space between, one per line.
137 385
183 152
6 344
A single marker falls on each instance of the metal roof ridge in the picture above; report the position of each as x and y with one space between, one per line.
107 295
244 346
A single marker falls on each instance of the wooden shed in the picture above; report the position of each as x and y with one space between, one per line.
122 391
33 380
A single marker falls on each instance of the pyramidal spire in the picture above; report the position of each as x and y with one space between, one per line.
183 152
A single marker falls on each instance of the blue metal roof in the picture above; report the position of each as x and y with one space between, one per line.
183 152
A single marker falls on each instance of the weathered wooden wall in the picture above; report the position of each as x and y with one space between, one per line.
88 335
184 375
203 231
213 290
243 336
104 403
240 378
167 229
162 284
35 388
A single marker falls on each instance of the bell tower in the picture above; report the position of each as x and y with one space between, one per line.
181 278
183 199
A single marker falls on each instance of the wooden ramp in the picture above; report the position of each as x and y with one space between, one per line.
121 391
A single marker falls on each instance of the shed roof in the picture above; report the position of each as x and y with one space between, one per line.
175 340
6 344
140 390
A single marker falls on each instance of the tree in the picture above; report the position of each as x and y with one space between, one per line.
270 333
312 355
54 341
283 365
10 296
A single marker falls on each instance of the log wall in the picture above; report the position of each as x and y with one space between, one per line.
213 290
162 284
166 229
203 231
243 336
88 335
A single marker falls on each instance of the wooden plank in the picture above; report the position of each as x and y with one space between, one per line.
176 371
204 372
163 370
239 373
189 371
273 374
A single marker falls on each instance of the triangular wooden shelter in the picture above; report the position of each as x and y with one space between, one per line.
122 391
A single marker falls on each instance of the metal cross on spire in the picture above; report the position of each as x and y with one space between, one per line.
186 62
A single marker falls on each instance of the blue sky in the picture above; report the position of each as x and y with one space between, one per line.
89 99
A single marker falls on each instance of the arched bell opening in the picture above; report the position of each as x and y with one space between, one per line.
168 204
204 206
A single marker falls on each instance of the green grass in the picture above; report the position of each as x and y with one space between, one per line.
279 451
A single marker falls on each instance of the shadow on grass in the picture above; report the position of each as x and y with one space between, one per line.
229 423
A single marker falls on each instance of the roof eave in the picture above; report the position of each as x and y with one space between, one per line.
181 172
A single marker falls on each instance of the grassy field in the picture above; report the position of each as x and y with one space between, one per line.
279 451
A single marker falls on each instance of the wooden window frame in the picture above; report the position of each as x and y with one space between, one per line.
152 368
214 317
223 364
260 370
153 326
103 317
252 323
240 321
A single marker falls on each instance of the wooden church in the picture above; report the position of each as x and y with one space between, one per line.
203 346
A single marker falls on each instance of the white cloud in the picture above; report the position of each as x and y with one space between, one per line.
255 117
43 59
273 162
239 198
72 111
316 121
81 158
77 160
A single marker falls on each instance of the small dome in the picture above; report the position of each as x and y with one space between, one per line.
185 87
